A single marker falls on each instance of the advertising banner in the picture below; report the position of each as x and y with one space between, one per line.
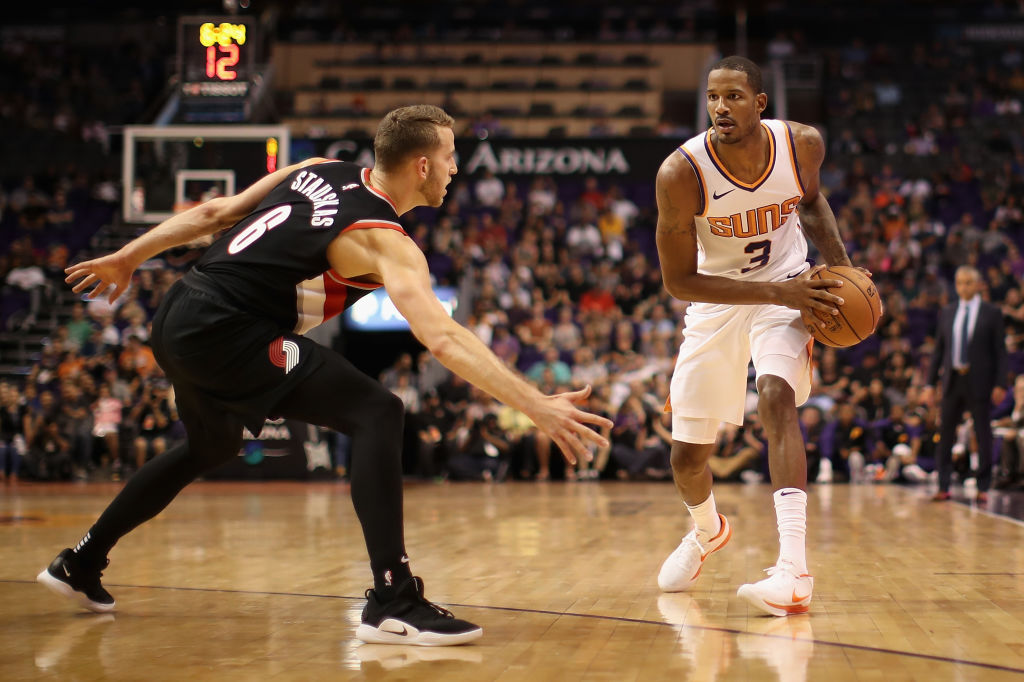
284 449
625 158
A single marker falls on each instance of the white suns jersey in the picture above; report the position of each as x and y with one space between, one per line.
749 231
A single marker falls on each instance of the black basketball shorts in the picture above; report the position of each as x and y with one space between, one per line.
234 360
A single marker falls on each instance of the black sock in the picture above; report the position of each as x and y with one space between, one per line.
90 553
387 579
147 493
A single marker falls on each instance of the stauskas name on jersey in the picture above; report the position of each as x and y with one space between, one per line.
755 221
321 193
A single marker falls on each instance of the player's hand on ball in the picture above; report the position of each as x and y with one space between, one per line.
808 294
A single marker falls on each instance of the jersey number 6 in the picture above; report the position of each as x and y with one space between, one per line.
257 229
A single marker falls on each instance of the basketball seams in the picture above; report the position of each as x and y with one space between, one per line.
848 325
867 299
825 338
871 308
859 285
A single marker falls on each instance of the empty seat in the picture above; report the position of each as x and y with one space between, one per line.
641 131
505 110
509 84
636 59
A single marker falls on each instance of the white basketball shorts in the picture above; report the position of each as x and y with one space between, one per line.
709 383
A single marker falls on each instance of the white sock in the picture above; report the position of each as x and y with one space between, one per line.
705 517
791 512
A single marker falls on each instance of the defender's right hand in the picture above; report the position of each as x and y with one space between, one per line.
558 417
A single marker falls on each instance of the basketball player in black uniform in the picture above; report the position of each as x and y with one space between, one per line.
304 244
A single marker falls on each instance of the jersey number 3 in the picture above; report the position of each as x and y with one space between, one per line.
760 260
267 221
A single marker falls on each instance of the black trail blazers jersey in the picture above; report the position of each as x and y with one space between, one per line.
273 264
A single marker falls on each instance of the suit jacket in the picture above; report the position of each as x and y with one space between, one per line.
986 351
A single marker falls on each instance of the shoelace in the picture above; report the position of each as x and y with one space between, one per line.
772 570
692 540
93 579
440 610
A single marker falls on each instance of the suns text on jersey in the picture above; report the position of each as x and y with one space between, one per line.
755 221
321 193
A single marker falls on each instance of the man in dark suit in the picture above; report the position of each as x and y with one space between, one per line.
970 349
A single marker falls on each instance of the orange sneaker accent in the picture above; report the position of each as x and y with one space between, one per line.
722 529
791 608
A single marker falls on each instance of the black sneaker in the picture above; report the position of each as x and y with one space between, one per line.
68 578
410 619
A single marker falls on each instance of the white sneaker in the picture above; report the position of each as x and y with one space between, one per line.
681 568
783 593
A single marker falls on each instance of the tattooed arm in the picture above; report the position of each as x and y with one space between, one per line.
816 217
678 201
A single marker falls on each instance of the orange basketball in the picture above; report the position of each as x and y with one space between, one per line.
858 315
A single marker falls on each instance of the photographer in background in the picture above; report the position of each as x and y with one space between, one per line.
152 417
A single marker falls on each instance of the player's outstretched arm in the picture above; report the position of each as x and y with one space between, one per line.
404 272
114 271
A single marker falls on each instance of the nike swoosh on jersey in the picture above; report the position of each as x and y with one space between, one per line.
717 196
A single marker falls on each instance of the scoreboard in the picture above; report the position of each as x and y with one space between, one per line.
216 56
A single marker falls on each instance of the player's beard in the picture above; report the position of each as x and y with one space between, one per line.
433 187
737 136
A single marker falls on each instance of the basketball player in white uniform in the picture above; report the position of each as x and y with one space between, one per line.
734 204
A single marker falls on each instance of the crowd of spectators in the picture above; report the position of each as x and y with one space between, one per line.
564 286
567 291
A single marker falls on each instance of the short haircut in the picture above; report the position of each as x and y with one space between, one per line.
753 71
406 132
969 270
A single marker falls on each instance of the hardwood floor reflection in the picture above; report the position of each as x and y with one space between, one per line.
264 581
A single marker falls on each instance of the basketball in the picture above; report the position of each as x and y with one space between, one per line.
858 315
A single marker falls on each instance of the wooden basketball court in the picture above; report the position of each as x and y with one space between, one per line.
265 581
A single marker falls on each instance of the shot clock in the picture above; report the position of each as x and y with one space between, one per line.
215 56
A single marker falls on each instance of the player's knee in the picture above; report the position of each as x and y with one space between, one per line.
688 459
774 397
385 410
